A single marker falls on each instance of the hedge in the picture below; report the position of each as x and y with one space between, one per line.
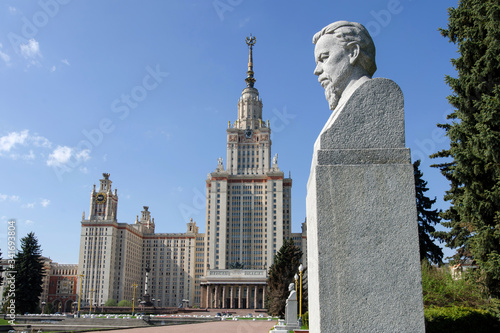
458 319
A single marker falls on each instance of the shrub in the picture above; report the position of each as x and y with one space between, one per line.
110 302
125 302
305 320
441 289
459 319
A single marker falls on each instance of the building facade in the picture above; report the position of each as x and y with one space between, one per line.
58 285
248 215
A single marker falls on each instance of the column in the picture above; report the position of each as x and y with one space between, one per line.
248 296
255 296
209 296
216 297
240 292
203 300
264 296
232 297
224 296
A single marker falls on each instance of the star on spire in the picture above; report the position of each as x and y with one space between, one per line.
250 80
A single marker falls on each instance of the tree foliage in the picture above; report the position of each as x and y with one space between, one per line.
427 218
1 269
125 302
472 162
110 302
281 274
29 275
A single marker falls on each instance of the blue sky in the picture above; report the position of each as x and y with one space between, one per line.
144 91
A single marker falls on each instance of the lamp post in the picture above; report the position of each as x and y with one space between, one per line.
134 285
91 292
43 307
296 277
301 268
80 296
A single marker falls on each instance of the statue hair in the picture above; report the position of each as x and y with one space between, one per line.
347 33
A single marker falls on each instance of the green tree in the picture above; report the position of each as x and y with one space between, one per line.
49 308
472 162
29 275
1 269
110 302
281 274
427 218
125 302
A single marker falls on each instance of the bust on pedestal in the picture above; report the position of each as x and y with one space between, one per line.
290 322
362 236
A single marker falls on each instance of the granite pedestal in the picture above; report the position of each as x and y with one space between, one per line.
362 236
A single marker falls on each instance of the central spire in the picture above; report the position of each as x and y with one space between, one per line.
250 80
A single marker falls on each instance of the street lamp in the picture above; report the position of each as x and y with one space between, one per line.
91 293
80 296
301 268
134 285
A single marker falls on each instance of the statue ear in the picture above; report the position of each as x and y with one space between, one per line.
353 49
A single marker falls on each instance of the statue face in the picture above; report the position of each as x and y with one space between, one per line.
333 68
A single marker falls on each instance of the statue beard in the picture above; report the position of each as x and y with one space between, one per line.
335 87
332 95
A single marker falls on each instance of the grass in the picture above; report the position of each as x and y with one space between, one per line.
4 322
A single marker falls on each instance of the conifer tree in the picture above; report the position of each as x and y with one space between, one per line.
472 163
1 269
29 275
281 274
427 218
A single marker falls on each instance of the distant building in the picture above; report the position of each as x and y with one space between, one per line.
58 285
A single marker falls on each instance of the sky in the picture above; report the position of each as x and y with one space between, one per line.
144 90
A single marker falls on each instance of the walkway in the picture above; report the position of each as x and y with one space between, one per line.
229 326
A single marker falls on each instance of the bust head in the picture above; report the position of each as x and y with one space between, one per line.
344 53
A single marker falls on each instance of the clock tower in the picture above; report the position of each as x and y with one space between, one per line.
103 203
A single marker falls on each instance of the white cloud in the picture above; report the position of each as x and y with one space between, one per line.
9 142
60 155
65 61
29 222
53 69
6 197
4 56
14 138
39 141
45 202
31 50
12 10
29 205
63 154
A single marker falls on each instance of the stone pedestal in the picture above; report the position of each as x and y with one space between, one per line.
362 236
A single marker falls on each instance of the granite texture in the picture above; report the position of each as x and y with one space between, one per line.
373 117
362 232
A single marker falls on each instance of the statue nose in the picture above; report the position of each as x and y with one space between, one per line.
317 70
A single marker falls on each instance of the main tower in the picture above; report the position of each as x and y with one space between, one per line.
249 202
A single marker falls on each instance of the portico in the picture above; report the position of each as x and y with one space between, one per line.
234 289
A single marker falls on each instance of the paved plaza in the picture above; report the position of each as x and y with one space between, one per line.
229 326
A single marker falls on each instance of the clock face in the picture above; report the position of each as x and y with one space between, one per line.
101 197
248 133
